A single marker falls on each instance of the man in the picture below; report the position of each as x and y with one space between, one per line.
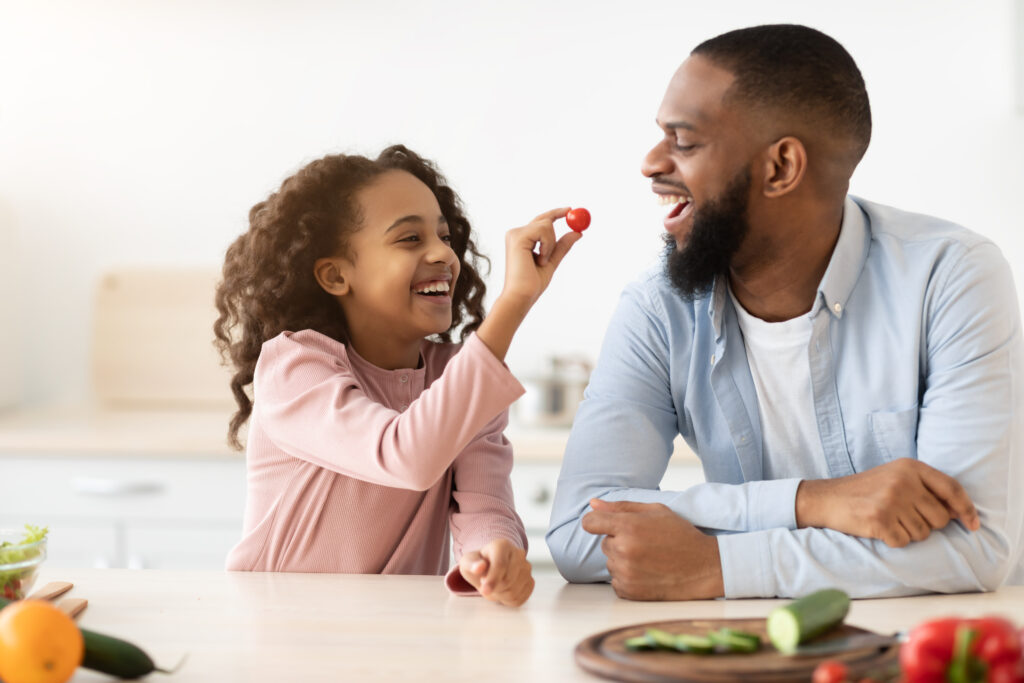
847 373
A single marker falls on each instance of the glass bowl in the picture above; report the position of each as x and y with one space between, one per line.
19 563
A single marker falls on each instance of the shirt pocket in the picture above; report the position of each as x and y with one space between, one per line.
895 432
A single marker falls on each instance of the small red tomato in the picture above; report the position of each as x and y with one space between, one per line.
578 219
830 671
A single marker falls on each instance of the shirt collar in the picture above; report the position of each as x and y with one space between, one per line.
847 261
368 369
837 284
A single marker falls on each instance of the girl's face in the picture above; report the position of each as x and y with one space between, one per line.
401 270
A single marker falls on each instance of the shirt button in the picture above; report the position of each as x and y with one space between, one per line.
404 378
403 406
838 308
712 359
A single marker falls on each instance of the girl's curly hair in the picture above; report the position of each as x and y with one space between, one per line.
268 285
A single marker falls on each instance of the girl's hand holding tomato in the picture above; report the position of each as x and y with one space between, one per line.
528 272
499 571
531 256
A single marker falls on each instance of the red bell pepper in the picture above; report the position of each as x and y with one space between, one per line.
998 641
963 651
926 655
1007 672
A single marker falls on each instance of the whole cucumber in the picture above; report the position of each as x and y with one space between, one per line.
115 656
809 617
110 655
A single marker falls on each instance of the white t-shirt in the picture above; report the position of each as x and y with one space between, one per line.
781 369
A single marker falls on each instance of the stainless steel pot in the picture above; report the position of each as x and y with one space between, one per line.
553 394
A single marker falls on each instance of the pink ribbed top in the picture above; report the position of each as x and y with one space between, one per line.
357 469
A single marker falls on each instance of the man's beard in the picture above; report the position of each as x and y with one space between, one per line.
718 231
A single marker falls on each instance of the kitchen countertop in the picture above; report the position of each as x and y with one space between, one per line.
332 627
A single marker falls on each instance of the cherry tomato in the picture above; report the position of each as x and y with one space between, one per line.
578 219
830 671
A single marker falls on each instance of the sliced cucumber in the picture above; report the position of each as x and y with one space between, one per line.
733 641
698 645
663 639
640 643
809 617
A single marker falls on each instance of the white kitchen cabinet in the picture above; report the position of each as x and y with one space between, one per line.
127 511
180 545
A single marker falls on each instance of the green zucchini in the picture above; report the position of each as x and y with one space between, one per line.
809 617
111 655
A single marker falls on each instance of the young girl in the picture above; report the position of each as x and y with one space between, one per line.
373 435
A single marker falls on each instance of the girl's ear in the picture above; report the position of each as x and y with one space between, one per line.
329 273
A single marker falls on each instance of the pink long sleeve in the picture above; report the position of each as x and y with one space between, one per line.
483 507
309 402
352 468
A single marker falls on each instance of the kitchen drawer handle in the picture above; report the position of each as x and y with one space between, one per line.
98 486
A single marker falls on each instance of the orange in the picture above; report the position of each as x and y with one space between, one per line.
38 643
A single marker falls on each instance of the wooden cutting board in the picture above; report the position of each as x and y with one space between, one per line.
605 655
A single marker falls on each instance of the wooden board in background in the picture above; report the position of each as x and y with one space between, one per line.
152 343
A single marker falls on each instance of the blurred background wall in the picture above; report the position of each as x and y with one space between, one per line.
135 133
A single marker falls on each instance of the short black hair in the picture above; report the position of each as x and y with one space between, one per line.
797 69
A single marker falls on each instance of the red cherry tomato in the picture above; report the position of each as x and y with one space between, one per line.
830 671
578 219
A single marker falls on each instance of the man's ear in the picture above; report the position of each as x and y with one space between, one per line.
330 274
785 165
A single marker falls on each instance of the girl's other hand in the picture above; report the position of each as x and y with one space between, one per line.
528 272
499 571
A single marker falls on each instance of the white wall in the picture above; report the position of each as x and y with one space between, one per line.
141 132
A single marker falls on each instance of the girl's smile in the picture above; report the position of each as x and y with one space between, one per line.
437 291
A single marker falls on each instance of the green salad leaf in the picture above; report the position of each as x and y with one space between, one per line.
14 553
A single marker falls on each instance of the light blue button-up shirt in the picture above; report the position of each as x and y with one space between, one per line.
916 351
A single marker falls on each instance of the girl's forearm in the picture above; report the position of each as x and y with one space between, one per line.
500 325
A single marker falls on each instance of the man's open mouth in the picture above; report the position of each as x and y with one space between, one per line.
678 203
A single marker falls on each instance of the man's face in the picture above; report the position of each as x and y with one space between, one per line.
700 173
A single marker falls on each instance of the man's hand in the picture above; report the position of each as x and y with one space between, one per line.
653 553
898 502
499 571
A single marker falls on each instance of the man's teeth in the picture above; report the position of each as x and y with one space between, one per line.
666 199
433 287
